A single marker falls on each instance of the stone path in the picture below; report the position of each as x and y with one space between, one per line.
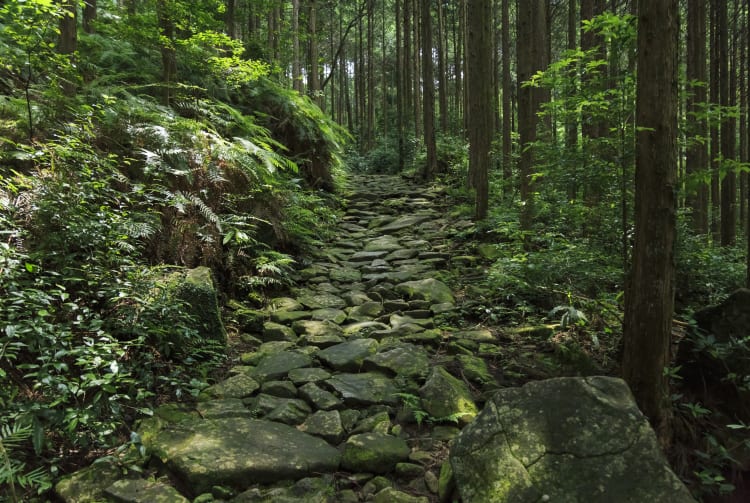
349 393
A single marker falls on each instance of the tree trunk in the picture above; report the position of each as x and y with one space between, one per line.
697 153
571 127
729 182
507 103
230 18
428 86
89 16
532 57
442 93
296 53
649 300
67 45
480 70
715 151
399 89
313 87
168 57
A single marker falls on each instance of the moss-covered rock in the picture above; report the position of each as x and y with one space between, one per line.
373 453
445 397
565 439
196 288
88 485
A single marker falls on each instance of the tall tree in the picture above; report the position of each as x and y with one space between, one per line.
428 91
168 56
89 15
532 51
68 42
697 153
507 103
296 61
313 87
649 299
728 182
481 115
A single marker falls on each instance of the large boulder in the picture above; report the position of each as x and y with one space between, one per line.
567 440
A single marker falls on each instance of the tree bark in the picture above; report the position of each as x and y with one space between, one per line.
728 183
428 92
532 57
649 300
507 103
89 16
296 62
481 123
313 87
68 44
697 153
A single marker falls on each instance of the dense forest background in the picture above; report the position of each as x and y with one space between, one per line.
138 137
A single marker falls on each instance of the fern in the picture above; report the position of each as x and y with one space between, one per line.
12 470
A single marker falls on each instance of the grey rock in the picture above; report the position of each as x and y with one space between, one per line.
319 398
306 375
366 311
238 452
144 491
444 396
317 328
348 355
430 290
287 317
373 453
281 389
236 386
277 332
326 425
277 365
564 439
405 359
227 407
368 388
330 314
320 300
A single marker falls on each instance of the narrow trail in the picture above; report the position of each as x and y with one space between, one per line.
354 384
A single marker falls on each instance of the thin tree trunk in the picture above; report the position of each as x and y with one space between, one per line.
68 44
697 154
313 87
729 182
296 62
230 18
507 103
168 57
571 128
399 89
715 151
480 70
428 86
89 16
442 93
532 57
649 300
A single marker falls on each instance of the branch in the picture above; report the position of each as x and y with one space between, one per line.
340 48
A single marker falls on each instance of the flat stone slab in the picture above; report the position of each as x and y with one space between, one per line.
564 439
227 407
275 366
237 386
368 388
348 355
139 490
374 453
240 452
404 222
429 289
405 359
321 300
